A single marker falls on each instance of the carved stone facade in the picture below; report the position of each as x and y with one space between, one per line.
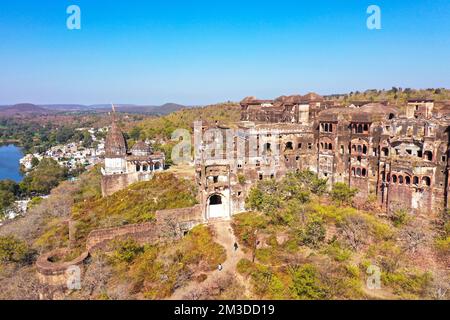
400 157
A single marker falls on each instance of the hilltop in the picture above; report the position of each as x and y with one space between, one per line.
23 109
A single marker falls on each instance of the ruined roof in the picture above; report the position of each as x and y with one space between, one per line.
294 99
377 107
248 99
312 96
367 113
115 143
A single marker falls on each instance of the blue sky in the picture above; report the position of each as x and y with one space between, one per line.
198 52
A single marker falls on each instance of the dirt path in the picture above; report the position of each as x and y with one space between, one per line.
224 236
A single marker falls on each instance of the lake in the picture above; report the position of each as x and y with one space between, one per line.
9 162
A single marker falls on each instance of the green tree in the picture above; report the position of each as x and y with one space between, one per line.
7 198
42 179
311 181
34 162
342 194
135 133
87 139
313 234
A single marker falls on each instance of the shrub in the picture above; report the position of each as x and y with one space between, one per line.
337 252
399 217
314 233
14 250
306 284
443 245
244 266
241 179
407 284
126 251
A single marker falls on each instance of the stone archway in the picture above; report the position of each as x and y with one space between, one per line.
216 207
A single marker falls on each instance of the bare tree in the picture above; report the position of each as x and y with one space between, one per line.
354 231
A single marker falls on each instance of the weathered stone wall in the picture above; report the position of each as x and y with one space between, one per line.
56 273
169 224
179 220
143 233
113 183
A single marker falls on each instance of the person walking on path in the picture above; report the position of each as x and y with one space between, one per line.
236 246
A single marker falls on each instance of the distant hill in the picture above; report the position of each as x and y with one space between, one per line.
23 109
147 109
28 108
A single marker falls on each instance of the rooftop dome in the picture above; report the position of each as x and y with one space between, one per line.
115 144
141 149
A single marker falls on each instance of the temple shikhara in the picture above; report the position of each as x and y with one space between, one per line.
397 156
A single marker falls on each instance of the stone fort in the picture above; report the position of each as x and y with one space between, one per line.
399 156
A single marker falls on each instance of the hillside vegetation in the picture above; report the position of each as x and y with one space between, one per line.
395 96
162 127
306 246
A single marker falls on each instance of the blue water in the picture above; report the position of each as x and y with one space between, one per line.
9 162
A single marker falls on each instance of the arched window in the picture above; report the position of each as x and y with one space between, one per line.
354 148
416 180
331 127
426 181
364 149
157 166
358 172
353 172
359 148
400 179
144 168
330 146
391 116
385 151
388 178
289 146
326 127
360 128
138 168
407 180
215 200
394 178
366 127
428 155
364 172
321 146
267 147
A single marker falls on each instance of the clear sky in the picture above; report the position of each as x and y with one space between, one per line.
198 52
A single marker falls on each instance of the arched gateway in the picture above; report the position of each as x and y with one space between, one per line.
217 207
